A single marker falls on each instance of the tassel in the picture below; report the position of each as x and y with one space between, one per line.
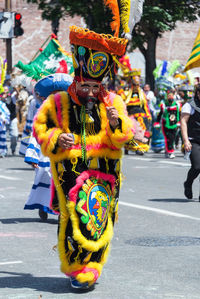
111 77
107 165
83 135
89 125
97 109
74 162
76 114
91 56
81 72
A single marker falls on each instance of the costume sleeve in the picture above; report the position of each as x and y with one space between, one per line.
30 115
147 110
160 113
46 127
4 114
124 132
32 152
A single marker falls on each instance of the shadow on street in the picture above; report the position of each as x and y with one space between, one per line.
42 284
184 200
26 220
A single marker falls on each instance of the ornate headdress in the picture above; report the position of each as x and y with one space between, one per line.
93 54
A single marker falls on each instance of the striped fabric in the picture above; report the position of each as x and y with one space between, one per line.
34 105
4 120
194 59
39 197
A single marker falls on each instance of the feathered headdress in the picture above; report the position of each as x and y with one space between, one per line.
129 12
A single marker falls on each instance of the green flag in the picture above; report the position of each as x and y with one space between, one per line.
48 61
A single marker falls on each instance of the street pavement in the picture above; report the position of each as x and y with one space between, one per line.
155 250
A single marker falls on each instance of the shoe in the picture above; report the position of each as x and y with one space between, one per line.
172 156
126 152
140 153
188 191
13 153
166 155
75 284
43 215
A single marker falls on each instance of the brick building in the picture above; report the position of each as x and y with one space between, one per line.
176 44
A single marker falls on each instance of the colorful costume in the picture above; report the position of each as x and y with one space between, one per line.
170 120
4 120
4 112
157 139
33 107
87 174
137 107
40 195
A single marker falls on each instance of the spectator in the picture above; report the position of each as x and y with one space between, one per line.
10 100
190 129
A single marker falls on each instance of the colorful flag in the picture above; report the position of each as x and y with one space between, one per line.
194 59
50 59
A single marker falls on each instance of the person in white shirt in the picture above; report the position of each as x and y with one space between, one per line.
190 129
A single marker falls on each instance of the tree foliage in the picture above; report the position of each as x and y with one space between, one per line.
158 17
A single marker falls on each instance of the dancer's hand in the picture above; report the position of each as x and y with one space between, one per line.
187 146
35 165
112 115
65 140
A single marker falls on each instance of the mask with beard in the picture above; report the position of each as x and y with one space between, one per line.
88 102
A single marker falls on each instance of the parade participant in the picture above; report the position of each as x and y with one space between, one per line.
190 129
137 107
82 131
169 113
4 120
10 98
40 195
157 138
32 109
4 112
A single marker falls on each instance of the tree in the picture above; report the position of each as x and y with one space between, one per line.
95 14
158 17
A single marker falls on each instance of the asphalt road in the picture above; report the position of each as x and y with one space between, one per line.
155 250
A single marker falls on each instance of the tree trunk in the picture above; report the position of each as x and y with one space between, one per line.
150 60
55 26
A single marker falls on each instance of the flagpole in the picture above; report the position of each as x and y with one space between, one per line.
40 47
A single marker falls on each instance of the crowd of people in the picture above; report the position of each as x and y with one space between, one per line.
73 130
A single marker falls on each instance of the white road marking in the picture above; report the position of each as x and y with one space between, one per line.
9 178
159 211
175 163
7 188
10 263
140 158
160 161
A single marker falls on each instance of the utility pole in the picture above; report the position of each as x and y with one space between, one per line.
8 42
